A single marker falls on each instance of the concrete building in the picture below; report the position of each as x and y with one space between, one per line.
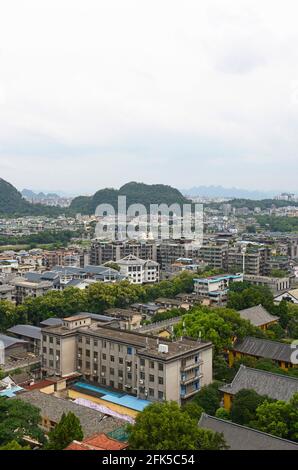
276 284
139 271
138 364
24 288
29 333
214 290
103 251
215 255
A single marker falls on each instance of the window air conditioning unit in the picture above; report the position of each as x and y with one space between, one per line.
128 369
102 374
163 348
79 355
141 382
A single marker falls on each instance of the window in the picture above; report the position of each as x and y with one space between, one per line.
120 386
51 339
129 350
160 395
51 363
151 378
95 354
142 362
88 352
120 360
112 383
44 338
58 341
44 349
120 373
151 392
51 351
160 380
104 356
103 368
142 375
111 370
112 359
103 381
129 376
87 340
160 367
151 365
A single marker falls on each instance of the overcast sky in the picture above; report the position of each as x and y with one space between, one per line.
195 92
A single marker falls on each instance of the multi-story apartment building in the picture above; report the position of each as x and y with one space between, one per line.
139 271
104 251
214 290
60 257
24 288
168 251
133 362
214 255
250 259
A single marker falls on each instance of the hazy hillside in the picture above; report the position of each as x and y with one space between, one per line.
135 193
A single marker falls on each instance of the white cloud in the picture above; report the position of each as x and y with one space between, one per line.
97 93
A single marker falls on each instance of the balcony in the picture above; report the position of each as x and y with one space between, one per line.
188 394
193 378
192 365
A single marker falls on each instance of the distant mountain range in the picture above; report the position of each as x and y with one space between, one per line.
219 191
28 194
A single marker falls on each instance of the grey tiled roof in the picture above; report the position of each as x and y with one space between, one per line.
30 331
276 386
51 321
257 315
92 421
243 438
264 348
10 341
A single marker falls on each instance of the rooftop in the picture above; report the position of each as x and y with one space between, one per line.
30 331
264 348
10 341
239 437
276 386
257 315
91 420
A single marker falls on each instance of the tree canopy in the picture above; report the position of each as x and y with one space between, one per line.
164 426
67 430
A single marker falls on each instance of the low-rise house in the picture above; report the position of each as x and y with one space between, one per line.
10 346
258 316
281 353
290 295
24 288
29 333
169 304
97 442
276 386
52 409
239 437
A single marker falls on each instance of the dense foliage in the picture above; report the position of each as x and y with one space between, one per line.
97 298
165 426
67 430
278 224
60 238
19 419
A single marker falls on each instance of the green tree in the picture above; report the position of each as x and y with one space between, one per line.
14 445
222 413
208 398
193 410
164 426
19 419
244 406
67 430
